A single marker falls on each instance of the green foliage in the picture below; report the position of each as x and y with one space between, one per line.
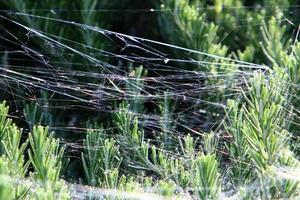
101 160
133 143
169 167
210 143
183 23
261 129
37 113
134 89
259 135
4 122
45 156
166 188
240 171
207 180
166 110
264 122
181 19
13 185
132 140
274 41
14 151
6 188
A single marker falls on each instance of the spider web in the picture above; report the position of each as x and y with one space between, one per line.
65 75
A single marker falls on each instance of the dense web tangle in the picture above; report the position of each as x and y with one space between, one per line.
169 88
